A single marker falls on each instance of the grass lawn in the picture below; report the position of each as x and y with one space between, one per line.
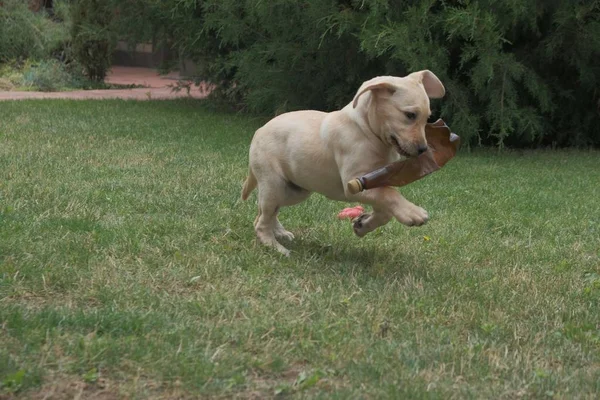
129 268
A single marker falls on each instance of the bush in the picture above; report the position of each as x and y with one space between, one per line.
518 72
12 73
37 51
47 76
24 34
92 36
6 84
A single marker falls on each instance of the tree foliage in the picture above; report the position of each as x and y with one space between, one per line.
92 34
517 72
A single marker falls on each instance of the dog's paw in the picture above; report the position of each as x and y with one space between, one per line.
269 240
413 215
283 234
359 224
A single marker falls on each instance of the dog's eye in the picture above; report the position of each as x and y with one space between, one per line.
411 115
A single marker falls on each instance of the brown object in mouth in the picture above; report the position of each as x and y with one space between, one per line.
442 145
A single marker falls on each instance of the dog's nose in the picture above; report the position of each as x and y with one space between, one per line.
422 149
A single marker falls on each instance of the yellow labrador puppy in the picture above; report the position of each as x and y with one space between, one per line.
301 152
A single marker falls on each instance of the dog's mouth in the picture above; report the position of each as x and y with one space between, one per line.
399 148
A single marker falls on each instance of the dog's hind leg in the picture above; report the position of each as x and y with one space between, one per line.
270 197
293 195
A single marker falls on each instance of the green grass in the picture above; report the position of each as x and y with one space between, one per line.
129 267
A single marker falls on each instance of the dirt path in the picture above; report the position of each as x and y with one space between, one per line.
156 88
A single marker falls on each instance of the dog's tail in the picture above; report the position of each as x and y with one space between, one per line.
249 185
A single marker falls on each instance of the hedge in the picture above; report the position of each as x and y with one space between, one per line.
519 73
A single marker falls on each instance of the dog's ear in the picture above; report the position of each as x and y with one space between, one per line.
375 84
433 86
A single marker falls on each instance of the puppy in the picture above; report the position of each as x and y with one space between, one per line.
301 152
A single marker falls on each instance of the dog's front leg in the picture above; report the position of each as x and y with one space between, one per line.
387 203
368 222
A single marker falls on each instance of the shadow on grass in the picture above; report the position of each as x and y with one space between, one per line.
355 257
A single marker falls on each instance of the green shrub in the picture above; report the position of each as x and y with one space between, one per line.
25 34
6 84
13 72
92 36
46 76
36 51
518 73
34 75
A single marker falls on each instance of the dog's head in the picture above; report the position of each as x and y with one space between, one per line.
398 108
